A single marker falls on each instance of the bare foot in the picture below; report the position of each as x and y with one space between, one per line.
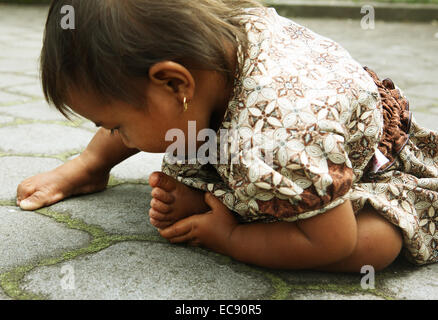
173 201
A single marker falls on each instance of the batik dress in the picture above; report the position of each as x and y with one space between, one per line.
336 132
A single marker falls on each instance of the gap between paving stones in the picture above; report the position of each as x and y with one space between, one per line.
10 281
100 240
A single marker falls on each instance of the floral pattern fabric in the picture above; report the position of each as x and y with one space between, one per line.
322 114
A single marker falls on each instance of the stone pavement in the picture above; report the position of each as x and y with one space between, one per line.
102 246
385 10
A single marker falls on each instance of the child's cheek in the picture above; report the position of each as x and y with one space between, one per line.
126 141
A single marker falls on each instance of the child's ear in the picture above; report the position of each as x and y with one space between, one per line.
174 77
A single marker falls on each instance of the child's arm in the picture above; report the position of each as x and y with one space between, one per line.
87 173
105 151
317 241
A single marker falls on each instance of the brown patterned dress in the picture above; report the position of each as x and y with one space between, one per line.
335 132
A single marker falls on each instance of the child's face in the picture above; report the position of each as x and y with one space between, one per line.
143 128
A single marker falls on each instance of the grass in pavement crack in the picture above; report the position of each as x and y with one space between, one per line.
10 281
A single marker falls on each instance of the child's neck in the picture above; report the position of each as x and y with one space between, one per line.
224 91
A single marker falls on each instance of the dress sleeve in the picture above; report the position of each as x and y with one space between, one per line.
305 172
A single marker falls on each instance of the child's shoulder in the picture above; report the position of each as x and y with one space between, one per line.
279 47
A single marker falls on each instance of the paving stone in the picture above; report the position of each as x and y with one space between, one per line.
26 237
427 90
39 110
148 271
404 52
33 90
138 167
318 295
10 49
426 119
3 296
120 210
18 65
5 119
412 282
8 98
8 80
320 279
13 170
89 125
423 104
49 139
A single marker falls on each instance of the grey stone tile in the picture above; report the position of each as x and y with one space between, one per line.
13 170
423 104
320 279
26 237
39 110
427 120
120 210
3 296
89 125
138 167
5 119
149 271
9 98
8 80
413 283
18 65
317 295
9 50
423 90
46 139
33 90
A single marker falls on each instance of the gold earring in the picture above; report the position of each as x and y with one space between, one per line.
186 105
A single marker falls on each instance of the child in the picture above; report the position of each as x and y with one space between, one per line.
350 178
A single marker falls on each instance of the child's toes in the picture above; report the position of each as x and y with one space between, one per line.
160 206
163 196
158 216
163 181
159 220
160 224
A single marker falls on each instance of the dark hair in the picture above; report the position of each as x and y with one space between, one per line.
115 41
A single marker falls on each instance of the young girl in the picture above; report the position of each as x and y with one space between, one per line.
351 176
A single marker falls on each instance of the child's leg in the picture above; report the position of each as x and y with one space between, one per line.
174 201
379 243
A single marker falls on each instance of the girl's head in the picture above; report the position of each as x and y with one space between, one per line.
142 57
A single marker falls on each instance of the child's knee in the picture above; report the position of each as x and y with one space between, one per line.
379 241
335 232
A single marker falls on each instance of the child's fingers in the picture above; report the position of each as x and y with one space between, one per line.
24 190
35 201
38 200
213 202
178 232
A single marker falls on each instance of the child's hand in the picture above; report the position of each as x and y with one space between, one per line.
72 178
212 229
